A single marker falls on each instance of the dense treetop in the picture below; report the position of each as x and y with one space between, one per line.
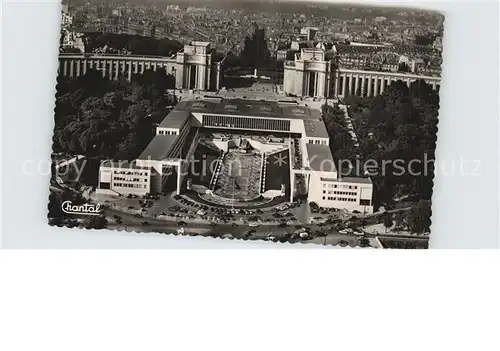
103 119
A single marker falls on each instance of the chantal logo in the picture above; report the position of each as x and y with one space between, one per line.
86 209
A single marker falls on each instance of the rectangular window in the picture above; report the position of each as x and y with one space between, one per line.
365 202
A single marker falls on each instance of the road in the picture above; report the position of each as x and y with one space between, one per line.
131 223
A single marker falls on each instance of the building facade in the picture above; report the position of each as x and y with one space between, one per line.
192 67
310 74
313 173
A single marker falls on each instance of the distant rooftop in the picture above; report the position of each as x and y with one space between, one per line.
200 43
320 158
175 119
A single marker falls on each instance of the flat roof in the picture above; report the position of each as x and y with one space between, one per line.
296 112
255 108
159 148
315 129
195 106
122 164
248 107
358 180
320 158
175 119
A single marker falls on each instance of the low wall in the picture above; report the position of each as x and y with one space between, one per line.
265 147
271 194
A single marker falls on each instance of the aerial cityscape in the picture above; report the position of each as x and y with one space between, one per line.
268 120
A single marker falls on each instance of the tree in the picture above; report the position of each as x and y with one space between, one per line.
387 221
399 220
91 106
424 40
400 124
167 47
95 222
112 100
419 217
256 53
54 207
313 205
364 242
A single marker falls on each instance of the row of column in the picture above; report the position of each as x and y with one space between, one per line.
110 68
311 79
314 84
201 77
369 85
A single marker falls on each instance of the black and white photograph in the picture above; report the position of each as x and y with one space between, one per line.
284 121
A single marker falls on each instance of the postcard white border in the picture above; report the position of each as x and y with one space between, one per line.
465 208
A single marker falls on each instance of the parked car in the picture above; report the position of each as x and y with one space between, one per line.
146 223
304 235
248 233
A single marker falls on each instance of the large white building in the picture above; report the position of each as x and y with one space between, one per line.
312 169
192 67
312 74
309 74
